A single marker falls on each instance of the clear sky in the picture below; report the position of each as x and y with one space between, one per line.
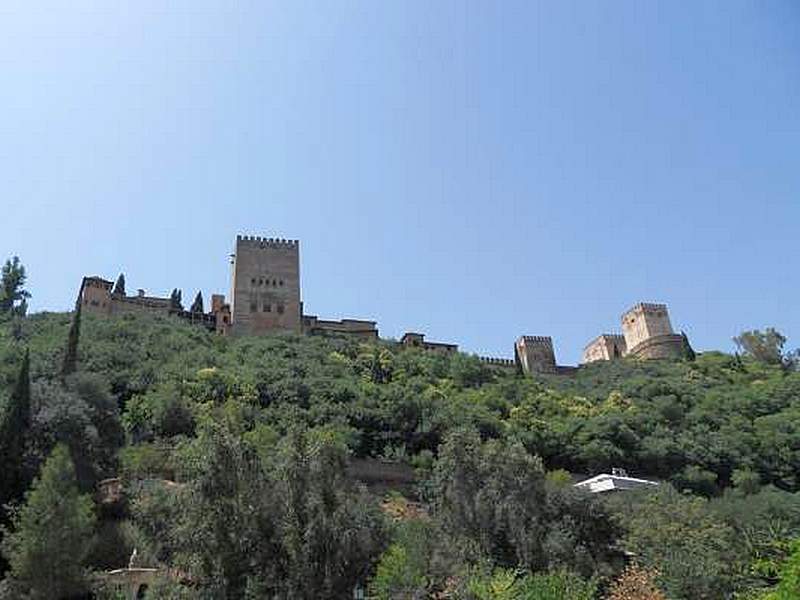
472 170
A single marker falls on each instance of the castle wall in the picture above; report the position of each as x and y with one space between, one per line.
266 286
659 347
604 347
366 330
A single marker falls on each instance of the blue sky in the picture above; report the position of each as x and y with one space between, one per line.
472 170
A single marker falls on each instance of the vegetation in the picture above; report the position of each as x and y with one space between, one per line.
235 456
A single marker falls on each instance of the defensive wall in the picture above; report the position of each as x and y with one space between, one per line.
266 298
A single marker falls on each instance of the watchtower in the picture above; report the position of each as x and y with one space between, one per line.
265 288
644 322
535 354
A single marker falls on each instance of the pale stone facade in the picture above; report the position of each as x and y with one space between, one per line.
647 334
265 289
608 346
535 354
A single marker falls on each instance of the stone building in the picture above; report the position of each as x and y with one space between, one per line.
535 354
265 289
647 334
608 346
417 340
265 296
98 296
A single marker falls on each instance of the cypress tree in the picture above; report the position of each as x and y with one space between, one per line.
71 354
52 534
688 351
176 299
119 287
197 305
13 430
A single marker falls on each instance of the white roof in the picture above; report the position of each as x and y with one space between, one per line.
608 483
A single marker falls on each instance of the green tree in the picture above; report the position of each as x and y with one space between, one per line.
764 346
789 586
119 287
70 363
493 503
51 535
175 299
695 551
686 348
13 295
197 305
14 429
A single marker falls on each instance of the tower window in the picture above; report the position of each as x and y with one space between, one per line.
253 307
280 309
280 283
274 283
253 281
267 307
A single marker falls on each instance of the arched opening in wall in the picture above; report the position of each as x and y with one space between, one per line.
616 352
141 592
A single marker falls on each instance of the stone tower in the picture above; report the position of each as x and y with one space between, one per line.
535 354
648 332
265 289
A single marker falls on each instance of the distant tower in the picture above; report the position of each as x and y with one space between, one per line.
648 332
535 354
265 290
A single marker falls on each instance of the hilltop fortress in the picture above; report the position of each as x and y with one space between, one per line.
265 298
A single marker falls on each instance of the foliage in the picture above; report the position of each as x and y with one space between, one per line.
197 305
119 286
293 527
789 586
493 503
14 430
71 353
765 346
508 584
13 295
636 583
208 433
694 551
51 535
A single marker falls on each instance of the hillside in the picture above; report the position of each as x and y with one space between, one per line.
276 419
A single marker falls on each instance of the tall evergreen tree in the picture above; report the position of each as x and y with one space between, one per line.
13 295
176 299
13 430
51 535
71 354
197 305
119 287
686 348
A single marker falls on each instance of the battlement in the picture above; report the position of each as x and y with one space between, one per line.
537 339
645 307
500 362
605 337
264 242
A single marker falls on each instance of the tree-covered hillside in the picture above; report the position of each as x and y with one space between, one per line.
233 454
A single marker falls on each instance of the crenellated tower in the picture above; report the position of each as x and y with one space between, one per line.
535 354
265 288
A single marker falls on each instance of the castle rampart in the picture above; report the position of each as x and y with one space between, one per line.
265 298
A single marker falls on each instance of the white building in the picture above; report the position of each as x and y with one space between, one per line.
617 481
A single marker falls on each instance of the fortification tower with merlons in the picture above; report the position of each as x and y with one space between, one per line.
648 332
535 354
265 286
